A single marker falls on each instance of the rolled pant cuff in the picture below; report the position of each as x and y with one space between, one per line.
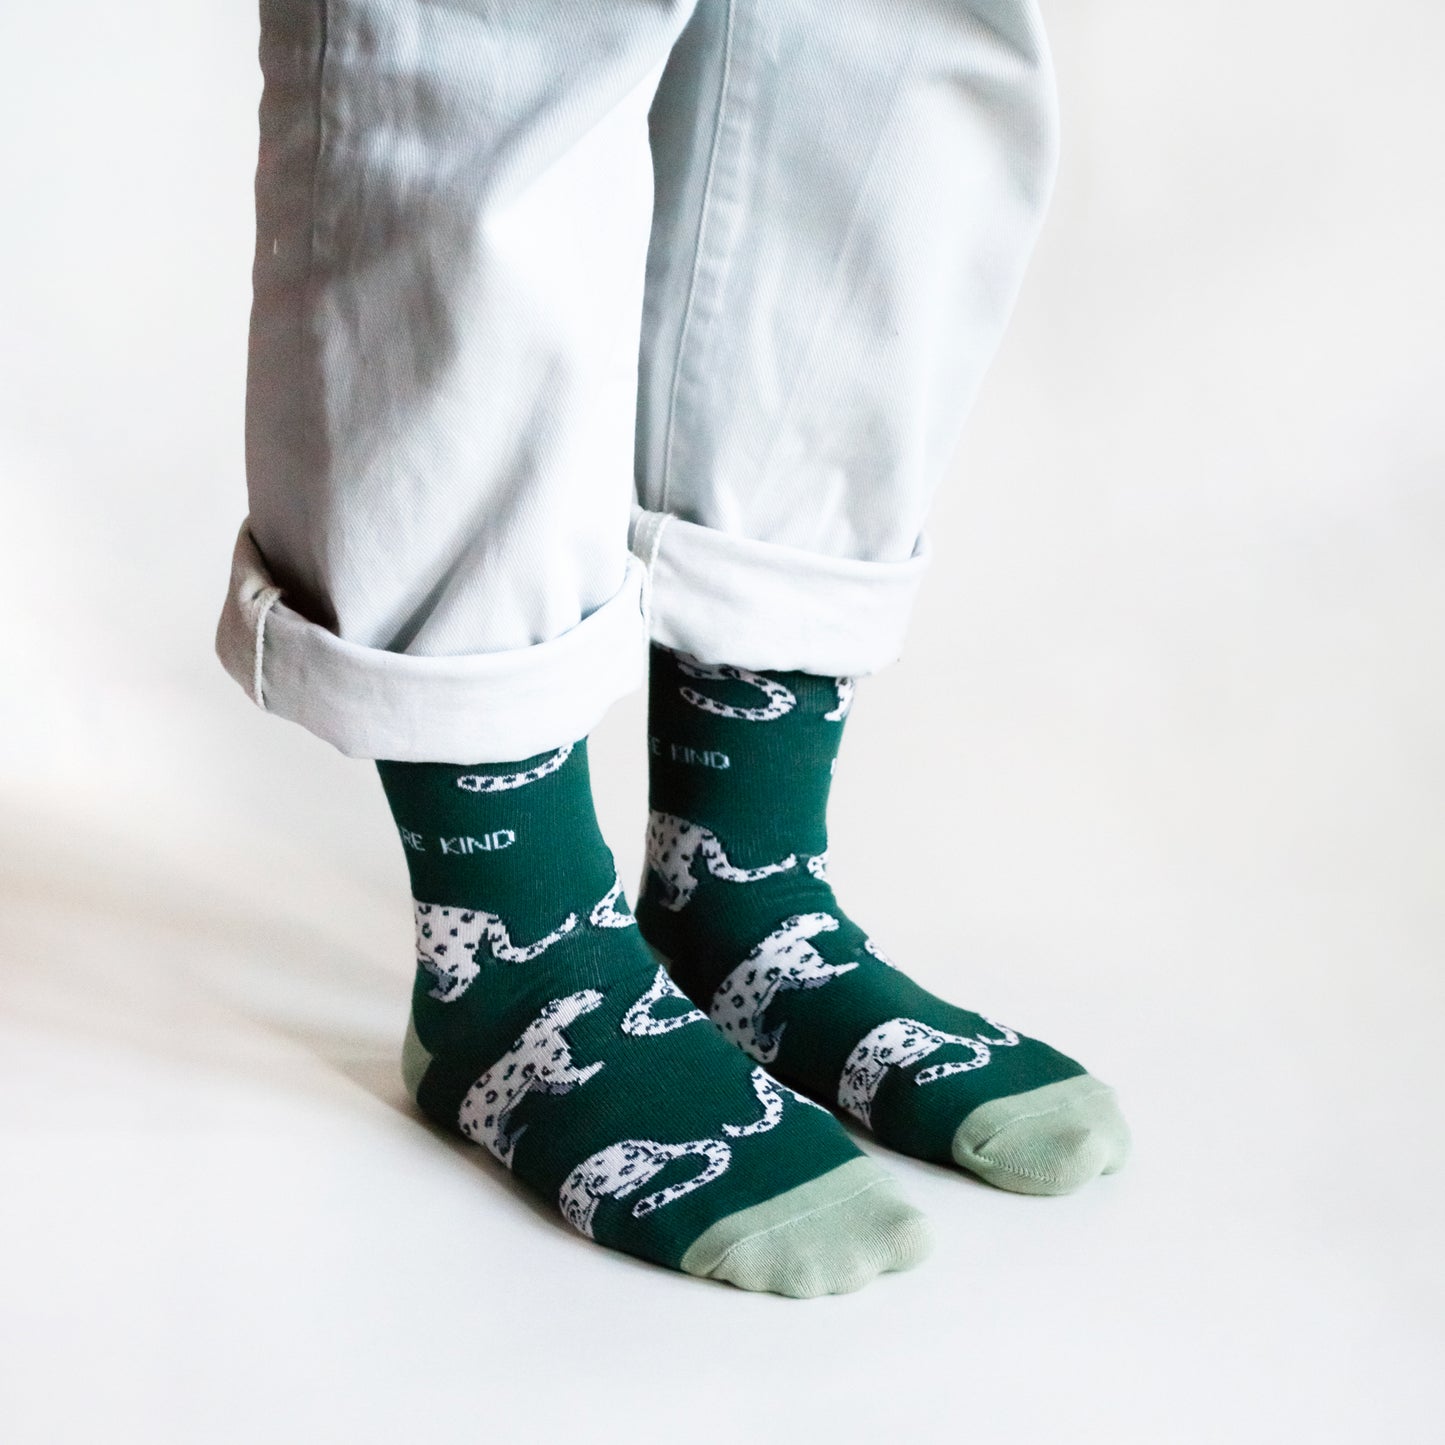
765 605
483 707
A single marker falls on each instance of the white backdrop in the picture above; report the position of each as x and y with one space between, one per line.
1165 748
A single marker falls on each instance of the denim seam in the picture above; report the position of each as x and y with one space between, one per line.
702 229
267 600
651 527
323 52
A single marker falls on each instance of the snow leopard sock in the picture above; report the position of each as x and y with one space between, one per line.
543 1029
736 898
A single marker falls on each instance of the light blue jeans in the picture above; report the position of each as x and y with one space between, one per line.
582 321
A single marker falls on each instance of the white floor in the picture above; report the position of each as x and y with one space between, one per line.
1160 779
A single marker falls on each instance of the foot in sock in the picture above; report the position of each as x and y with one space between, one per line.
736 898
543 1029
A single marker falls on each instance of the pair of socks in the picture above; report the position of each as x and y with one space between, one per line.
670 1079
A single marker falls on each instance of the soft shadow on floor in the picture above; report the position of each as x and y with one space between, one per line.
213 960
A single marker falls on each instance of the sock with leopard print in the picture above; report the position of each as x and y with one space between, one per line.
736 898
543 1029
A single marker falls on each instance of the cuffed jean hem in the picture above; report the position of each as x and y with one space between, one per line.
481 708
728 599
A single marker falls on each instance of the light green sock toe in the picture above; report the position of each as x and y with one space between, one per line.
828 1236
1049 1140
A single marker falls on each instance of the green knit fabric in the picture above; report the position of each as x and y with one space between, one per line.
544 1029
736 897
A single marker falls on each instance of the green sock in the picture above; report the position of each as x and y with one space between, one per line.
544 1029
736 897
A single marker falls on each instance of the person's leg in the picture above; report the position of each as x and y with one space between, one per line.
848 194
453 205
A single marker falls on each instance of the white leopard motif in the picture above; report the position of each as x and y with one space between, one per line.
900 1043
539 1062
818 866
449 939
640 1022
783 960
770 1095
673 847
1007 1037
845 686
622 1169
871 947
780 700
504 782
605 912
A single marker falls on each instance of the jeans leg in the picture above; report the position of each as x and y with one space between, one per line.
453 200
847 195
